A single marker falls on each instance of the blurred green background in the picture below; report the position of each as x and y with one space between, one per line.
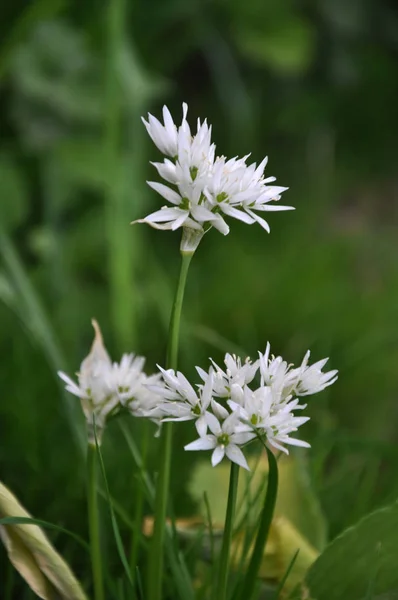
312 83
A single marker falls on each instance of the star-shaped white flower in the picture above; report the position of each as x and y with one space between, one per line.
235 376
224 440
183 403
261 411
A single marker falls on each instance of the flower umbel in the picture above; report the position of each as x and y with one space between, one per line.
205 188
236 408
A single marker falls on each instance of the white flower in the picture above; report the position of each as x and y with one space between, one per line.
97 398
238 190
183 403
205 189
237 408
301 381
104 387
260 411
224 439
130 384
277 373
311 379
235 376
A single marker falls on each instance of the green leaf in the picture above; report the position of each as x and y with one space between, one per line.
363 557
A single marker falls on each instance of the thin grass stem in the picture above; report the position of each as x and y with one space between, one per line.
139 500
93 522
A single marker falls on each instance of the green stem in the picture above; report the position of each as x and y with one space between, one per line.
155 570
223 568
139 499
174 328
93 522
249 582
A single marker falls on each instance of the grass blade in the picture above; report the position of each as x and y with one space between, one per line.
115 527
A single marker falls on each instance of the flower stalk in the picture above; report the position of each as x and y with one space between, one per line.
155 570
223 569
93 522
249 582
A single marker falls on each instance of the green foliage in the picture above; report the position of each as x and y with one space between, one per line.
359 564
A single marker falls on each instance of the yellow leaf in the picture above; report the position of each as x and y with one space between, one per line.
34 557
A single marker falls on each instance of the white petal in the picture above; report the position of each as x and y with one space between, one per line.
207 390
229 424
237 214
242 437
294 442
259 220
201 426
220 225
167 171
165 191
180 221
272 207
207 443
72 387
165 214
219 410
217 455
236 455
275 444
213 424
202 373
202 214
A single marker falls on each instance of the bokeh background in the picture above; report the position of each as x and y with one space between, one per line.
314 85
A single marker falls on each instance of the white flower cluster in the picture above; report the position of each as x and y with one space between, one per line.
230 410
205 188
105 386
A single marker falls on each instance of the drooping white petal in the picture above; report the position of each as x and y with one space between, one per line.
259 220
218 455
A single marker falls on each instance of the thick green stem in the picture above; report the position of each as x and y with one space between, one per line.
223 569
155 570
93 522
249 583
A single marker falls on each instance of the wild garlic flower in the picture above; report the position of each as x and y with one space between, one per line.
205 188
104 387
235 374
224 439
245 401
181 402
302 381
